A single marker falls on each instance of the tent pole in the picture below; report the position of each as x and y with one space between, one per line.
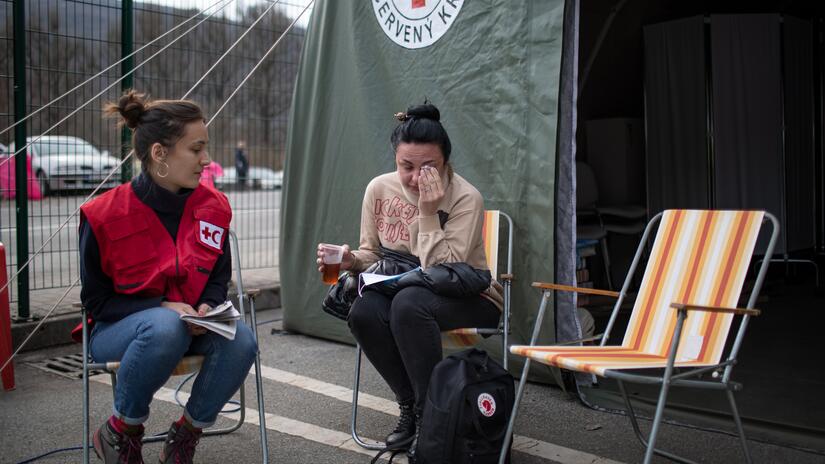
602 35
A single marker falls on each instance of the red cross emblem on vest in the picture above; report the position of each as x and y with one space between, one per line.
419 3
210 235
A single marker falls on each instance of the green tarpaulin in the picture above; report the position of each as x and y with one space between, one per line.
494 69
494 74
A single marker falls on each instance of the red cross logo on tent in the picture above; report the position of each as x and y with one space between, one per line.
210 235
419 3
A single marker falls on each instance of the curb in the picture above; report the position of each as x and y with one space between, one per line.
57 330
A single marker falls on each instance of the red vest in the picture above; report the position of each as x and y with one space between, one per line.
139 255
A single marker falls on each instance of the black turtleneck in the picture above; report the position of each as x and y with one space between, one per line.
98 294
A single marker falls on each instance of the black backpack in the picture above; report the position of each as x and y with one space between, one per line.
469 401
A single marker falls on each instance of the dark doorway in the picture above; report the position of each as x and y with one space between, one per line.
707 158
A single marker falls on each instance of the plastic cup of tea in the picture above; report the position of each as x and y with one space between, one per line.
333 254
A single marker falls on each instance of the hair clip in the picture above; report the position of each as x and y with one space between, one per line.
401 116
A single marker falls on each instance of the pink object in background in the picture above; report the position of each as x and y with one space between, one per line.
7 180
210 173
7 374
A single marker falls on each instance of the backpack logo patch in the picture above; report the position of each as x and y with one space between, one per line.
486 404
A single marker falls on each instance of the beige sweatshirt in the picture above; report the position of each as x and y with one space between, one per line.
390 218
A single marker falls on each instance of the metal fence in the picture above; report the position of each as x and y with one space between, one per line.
68 41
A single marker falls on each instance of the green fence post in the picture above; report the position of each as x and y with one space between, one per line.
21 181
127 45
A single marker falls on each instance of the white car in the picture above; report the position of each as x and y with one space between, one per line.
257 177
63 162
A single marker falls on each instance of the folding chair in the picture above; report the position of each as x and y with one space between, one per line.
681 318
464 336
187 365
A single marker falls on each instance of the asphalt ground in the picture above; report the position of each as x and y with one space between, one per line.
306 389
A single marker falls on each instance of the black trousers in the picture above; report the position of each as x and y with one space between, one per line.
401 336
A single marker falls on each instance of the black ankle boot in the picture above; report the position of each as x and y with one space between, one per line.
412 457
405 429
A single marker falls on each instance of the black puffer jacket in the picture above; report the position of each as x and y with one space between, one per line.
456 280
448 279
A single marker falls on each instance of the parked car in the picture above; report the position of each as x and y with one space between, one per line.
63 162
257 178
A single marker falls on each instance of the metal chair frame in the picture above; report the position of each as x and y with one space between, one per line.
668 379
111 368
503 330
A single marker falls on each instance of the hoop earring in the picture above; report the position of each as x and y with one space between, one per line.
163 163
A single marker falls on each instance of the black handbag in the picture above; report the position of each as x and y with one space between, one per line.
455 280
340 296
391 263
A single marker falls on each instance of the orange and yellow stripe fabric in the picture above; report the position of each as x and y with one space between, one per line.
490 233
460 338
698 257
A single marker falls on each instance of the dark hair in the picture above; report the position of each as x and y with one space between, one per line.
420 124
158 121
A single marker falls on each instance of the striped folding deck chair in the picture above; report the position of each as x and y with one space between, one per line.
187 365
466 336
681 317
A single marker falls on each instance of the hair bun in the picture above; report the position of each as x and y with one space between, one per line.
131 107
425 111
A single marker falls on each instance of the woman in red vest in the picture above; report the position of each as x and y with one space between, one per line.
150 251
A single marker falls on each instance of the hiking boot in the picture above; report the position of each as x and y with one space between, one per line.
412 458
180 445
405 429
113 447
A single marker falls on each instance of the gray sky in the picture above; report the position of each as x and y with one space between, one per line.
291 7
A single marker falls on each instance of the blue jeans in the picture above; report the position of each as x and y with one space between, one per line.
150 343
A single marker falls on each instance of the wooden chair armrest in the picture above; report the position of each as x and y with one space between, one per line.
253 292
77 304
715 309
568 288
506 277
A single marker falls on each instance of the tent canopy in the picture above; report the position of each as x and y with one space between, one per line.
493 72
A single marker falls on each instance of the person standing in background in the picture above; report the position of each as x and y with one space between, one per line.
241 165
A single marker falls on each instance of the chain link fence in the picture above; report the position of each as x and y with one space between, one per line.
69 41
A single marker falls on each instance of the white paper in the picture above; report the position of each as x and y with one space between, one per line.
221 319
692 348
366 279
